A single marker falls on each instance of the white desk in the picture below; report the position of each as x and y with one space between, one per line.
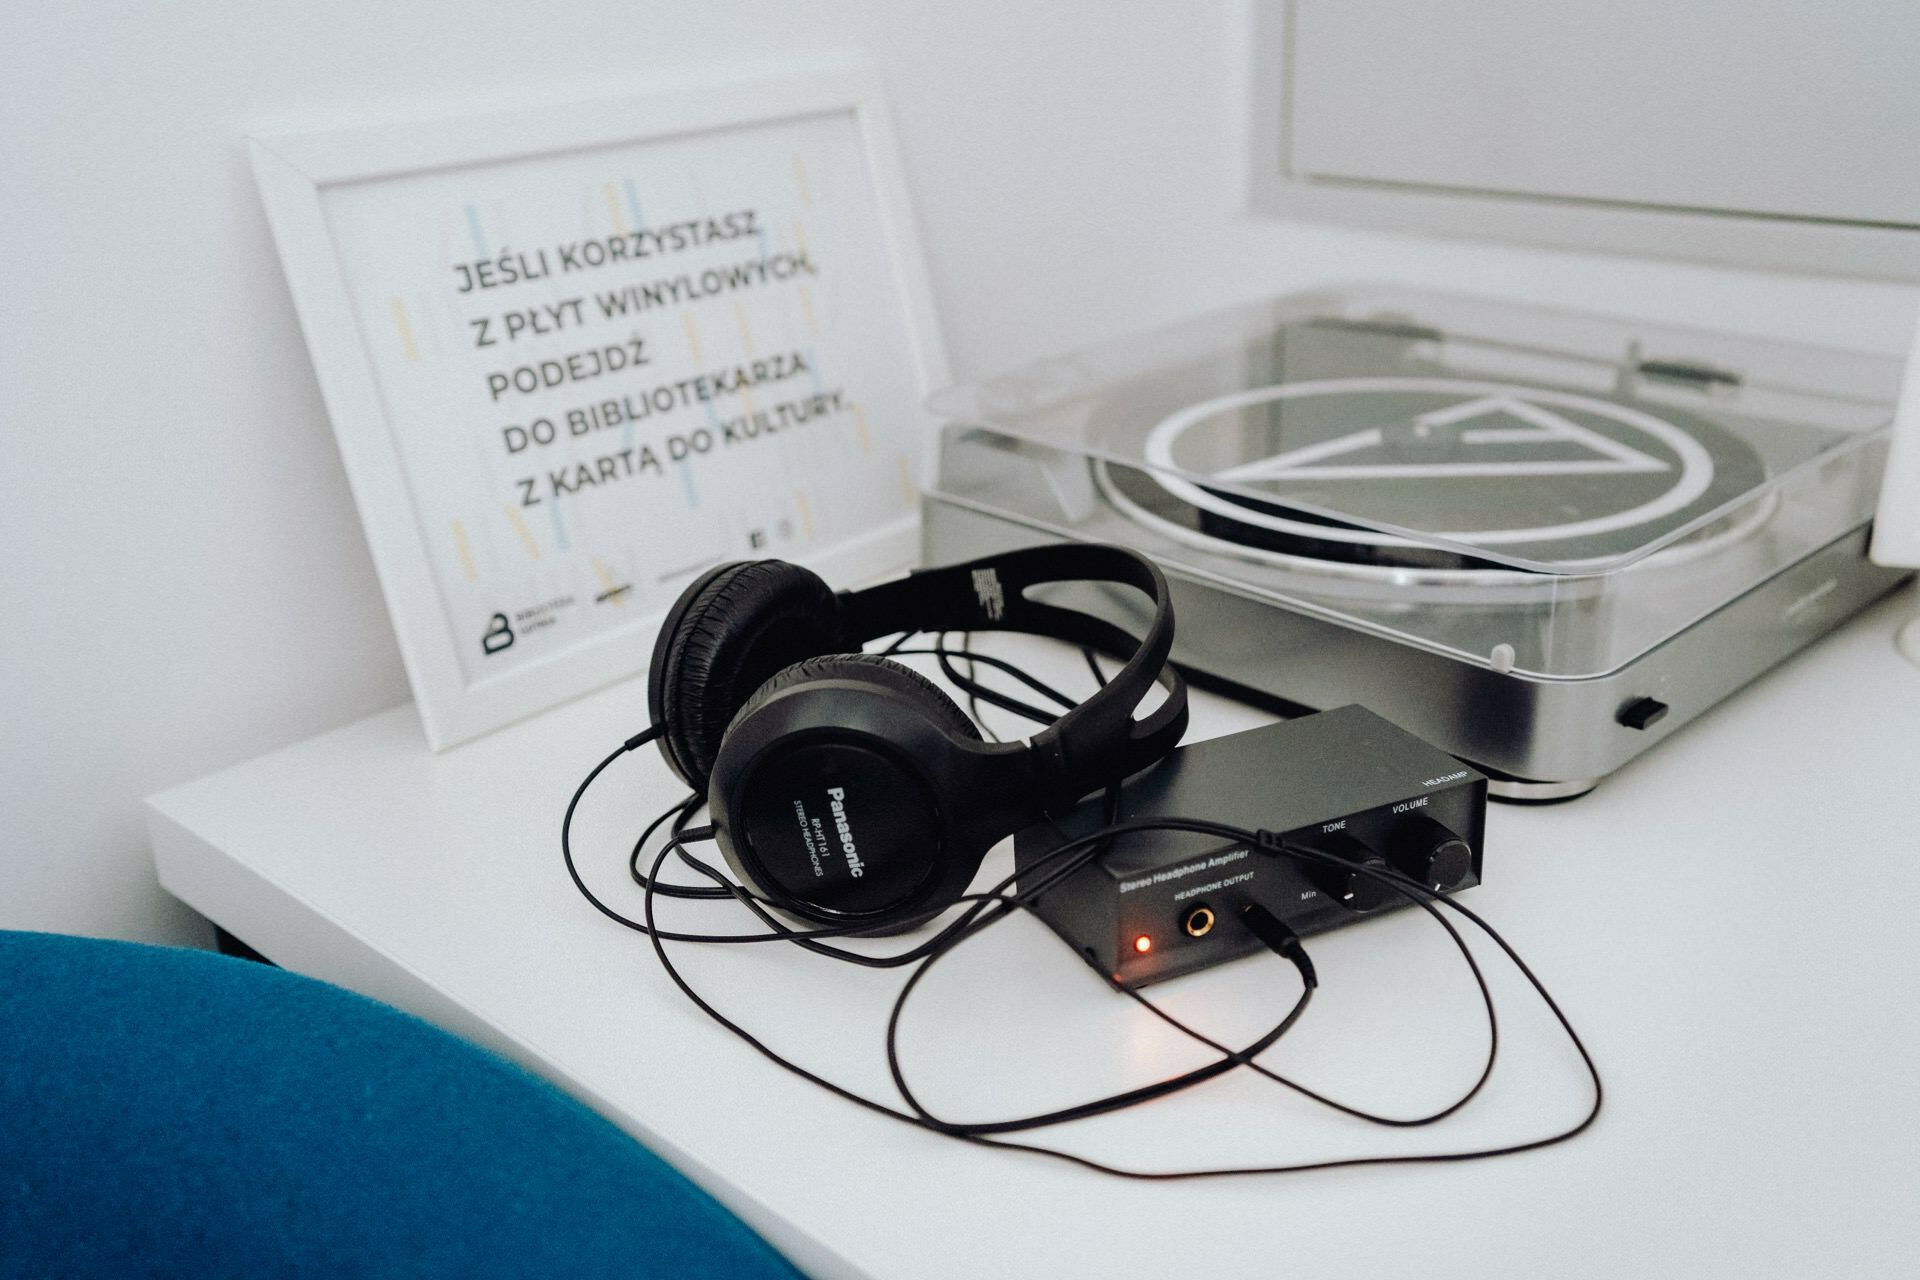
1730 922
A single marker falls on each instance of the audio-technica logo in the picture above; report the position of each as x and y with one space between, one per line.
837 797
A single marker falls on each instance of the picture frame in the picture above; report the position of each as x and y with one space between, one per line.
505 429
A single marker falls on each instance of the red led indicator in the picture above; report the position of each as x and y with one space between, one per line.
1143 944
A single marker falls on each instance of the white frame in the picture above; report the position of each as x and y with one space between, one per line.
1275 189
293 171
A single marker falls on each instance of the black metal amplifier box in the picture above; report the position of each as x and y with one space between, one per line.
1159 904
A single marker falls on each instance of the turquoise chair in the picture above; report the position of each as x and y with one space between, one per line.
169 1112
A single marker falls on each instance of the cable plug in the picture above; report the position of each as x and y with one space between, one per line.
1275 842
1278 938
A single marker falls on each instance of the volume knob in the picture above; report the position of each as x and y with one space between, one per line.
1428 852
1347 880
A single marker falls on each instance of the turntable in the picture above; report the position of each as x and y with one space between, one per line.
1541 540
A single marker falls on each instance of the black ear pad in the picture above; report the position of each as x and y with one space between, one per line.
897 853
745 623
875 669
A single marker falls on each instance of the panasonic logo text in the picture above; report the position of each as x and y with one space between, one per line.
837 797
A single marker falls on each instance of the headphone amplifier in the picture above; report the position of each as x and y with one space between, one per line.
1345 783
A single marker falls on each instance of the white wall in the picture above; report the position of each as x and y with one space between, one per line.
186 584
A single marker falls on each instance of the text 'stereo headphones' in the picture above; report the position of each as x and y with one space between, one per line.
846 788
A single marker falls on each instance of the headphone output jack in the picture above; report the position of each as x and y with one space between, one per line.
1199 922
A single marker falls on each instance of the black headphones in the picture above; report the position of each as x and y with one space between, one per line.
846 788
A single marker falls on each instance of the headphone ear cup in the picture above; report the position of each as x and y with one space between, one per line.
885 849
877 669
744 624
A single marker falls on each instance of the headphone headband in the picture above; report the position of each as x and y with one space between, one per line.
1099 740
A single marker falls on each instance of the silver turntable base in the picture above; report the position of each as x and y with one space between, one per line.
1539 739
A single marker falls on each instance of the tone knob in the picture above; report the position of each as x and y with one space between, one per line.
1424 850
1347 881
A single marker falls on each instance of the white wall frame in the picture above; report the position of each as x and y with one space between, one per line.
1279 185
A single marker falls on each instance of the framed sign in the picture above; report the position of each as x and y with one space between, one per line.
577 354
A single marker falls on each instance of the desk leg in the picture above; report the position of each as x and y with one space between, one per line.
232 946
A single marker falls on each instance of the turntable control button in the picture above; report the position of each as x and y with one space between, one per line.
1643 714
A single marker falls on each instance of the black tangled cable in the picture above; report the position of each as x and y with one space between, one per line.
977 912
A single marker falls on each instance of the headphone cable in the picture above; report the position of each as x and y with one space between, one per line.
982 910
